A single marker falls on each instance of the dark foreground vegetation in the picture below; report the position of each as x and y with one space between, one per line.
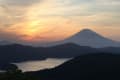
86 67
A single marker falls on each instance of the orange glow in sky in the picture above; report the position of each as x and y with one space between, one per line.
52 20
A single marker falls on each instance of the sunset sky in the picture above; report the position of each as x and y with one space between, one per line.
51 20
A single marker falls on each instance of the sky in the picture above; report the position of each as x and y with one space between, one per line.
52 20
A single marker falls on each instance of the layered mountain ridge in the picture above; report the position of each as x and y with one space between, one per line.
86 37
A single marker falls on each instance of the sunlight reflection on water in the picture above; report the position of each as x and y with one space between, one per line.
39 65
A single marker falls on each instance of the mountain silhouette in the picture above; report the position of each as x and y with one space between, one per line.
4 42
19 53
90 38
100 66
86 37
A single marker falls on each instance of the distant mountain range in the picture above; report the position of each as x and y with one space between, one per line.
86 37
89 38
4 42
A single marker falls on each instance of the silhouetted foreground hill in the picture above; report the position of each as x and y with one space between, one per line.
98 66
111 50
86 67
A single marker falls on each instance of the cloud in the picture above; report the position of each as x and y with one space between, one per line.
20 2
35 10
41 16
10 15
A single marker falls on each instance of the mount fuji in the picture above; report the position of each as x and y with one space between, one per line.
86 37
89 38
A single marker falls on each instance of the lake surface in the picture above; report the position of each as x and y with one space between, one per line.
40 65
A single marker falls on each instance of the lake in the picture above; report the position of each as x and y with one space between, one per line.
40 65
